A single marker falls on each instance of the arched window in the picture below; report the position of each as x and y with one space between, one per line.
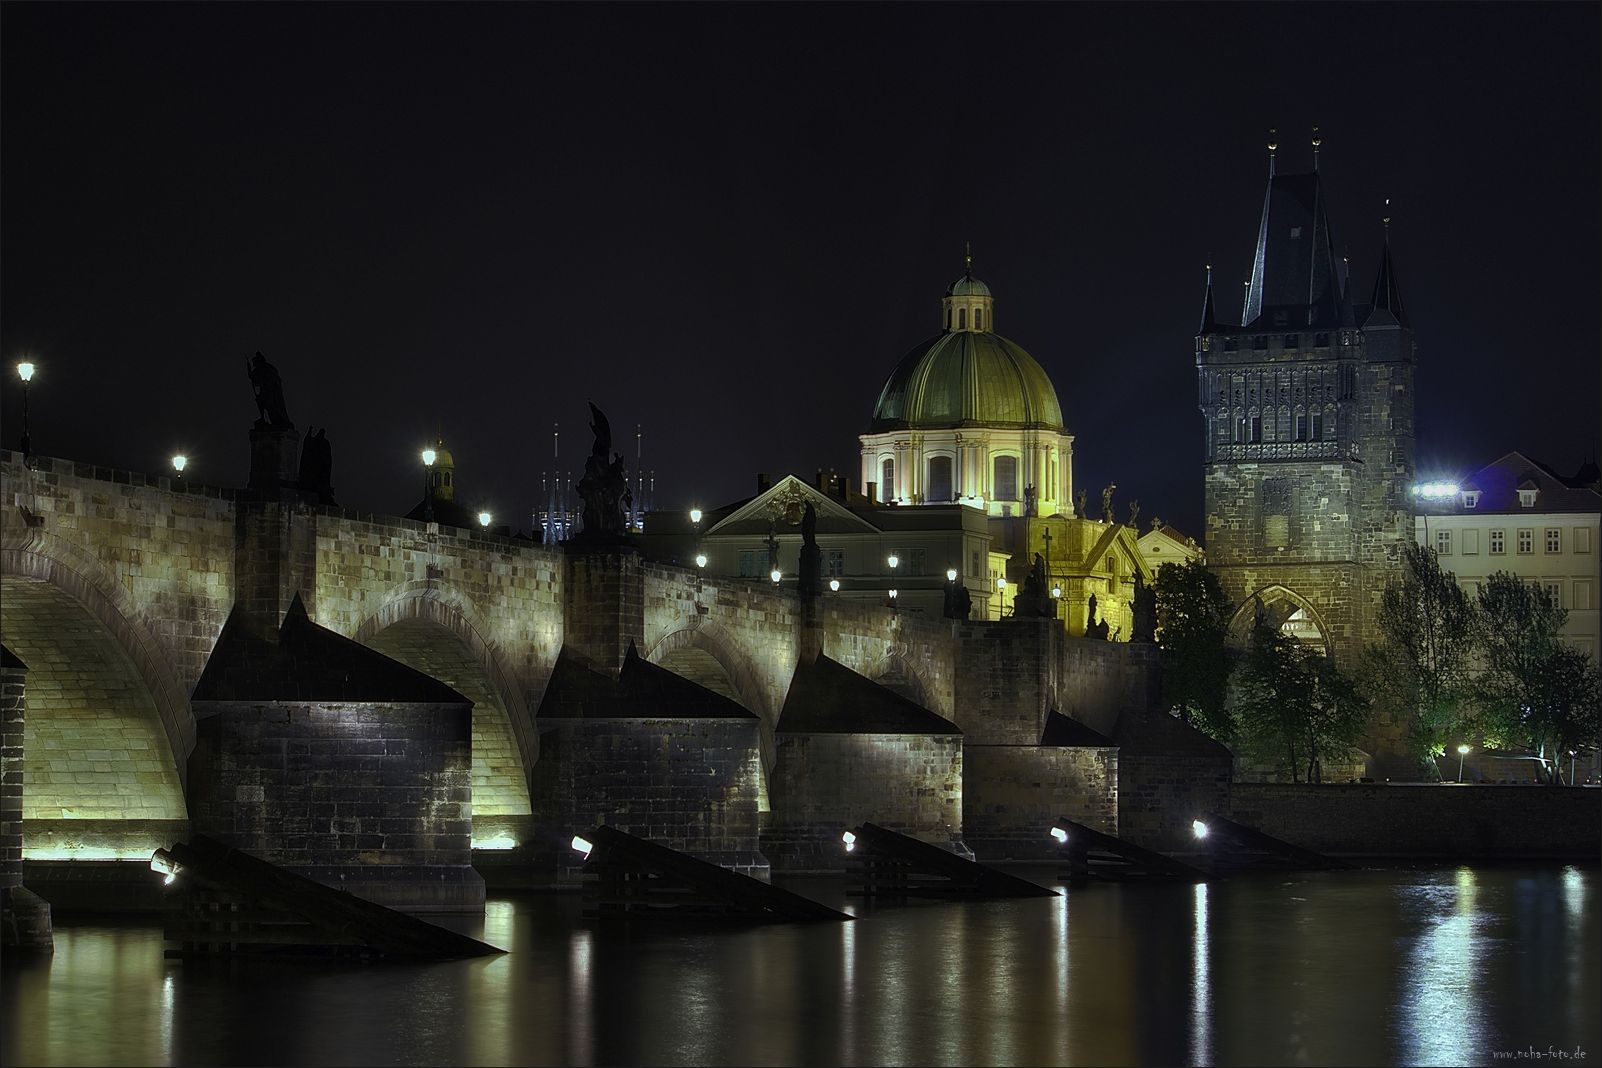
1318 425
978 318
948 317
1301 425
939 479
1257 428
887 481
962 318
1004 487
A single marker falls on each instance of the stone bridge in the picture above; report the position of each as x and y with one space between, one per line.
116 586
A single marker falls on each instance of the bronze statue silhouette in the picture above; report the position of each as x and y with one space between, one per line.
269 390
603 486
316 478
1144 626
1106 502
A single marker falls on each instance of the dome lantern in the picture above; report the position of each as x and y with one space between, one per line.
968 306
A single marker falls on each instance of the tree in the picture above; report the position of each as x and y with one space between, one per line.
1295 706
1193 616
1539 693
1422 664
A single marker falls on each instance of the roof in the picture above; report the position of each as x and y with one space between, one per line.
1294 268
826 697
1386 307
967 378
11 660
642 690
967 286
1499 482
309 663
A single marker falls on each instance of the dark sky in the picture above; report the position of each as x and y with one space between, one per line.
729 222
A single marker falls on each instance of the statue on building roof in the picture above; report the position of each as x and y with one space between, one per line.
1080 504
1106 502
269 390
1134 512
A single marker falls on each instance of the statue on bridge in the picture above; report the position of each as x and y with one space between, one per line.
269 389
1034 601
1144 627
603 485
1094 628
810 581
317 468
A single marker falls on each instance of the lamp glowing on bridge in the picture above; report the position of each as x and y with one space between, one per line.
1198 828
850 841
429 456
834 585
25 371
583 845
179 462
775 575
700 559
1056 591
951 574
1059 834
893 594
695 515
894 561
484 519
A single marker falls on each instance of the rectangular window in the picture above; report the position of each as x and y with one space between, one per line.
917 563
1582 539
833 562
1443 543
1257 429
1526 541
1471 542
1259 342
973 563
1292 340
1554 593
1582 594
1318 426
1554 539
1471 499
754 563
1498 542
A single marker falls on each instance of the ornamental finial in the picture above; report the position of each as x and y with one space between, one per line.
967 258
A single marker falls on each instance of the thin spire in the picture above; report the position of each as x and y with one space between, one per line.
1387 293
967 259
1317 140
1209 322
1246 302
1273 146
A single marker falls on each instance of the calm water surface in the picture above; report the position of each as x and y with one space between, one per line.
1373 967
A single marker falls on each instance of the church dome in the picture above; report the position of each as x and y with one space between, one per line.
967 378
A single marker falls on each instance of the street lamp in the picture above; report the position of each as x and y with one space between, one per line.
700 559
834 585
429 456
695 515
25 372
1462 751
179 462
1572 754
484 519
775 575
893 598
1001 597
1056 591
894 561
951 574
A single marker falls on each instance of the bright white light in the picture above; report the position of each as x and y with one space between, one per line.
583 845
834 585
25 370
499 841
1056 591
1435 491
1001 583
171 878
429 456
850 841
893 594
894 561
951 574
180 462
1059 834
1462 750
695 515
700 559
1198 828
775 574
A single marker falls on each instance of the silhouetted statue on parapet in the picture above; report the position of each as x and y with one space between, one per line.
316 479
1034 600
1106 502
959 602
1094 628
269 389
603 485
810 582
1144 627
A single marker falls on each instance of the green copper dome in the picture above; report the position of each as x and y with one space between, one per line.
967 378
967 286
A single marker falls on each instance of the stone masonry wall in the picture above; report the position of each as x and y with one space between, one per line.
1425 821
1012 794
13 712
325 784
1004 680
1097 681
823 784
1160 793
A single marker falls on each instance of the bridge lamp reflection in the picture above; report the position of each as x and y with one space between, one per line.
850 841
1059 834
179 462
582 845
1198 828
700 559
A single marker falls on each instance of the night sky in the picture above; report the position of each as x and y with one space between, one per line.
729 222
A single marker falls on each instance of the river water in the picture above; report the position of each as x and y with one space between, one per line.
1434 966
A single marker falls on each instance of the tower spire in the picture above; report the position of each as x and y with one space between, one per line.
1273 146
1209 321
1317 140
967 259
1387 293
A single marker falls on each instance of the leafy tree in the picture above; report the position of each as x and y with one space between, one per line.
1193 616
1539 693
1295 706
1422 666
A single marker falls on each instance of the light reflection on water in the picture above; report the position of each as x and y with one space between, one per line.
1373 967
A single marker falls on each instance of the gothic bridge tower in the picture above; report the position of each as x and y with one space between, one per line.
1307 405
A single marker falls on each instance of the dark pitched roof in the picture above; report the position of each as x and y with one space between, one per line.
1499 483
1294 269
826 697
1065 730
1209 321
309 663
11 660
1386 307
642 690
1158 732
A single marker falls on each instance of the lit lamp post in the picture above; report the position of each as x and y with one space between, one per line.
25 372
1572 754
1001 593
484 519
429 456
834 585
700 560
1462 751
893 600
179 462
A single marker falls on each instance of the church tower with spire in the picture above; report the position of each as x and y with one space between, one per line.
1307 408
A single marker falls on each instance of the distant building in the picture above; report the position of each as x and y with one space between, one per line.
1518 515
1163 544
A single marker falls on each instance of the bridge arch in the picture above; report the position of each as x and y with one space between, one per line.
901 674
441 634
704 653
106 614
1294 614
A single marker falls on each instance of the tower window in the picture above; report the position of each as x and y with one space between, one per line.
887 481
939 479
978 318
962 318
1257 429
1006 479
1301 426
1318 425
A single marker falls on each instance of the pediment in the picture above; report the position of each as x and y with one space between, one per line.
785 503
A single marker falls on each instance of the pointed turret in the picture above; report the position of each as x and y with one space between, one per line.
1294 282
1209 321
1387 303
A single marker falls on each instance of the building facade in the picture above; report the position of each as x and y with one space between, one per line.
1307 414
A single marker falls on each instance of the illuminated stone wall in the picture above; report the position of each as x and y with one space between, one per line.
1012 794
13 711
823 784
329 788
